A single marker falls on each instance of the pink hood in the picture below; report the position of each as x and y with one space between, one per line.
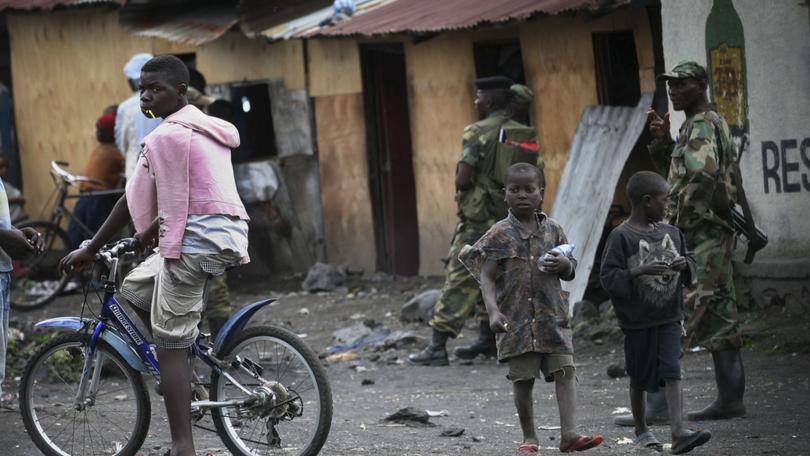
184 169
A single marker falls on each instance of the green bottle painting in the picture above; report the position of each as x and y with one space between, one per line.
725 54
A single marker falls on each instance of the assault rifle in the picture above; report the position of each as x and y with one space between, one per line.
744 221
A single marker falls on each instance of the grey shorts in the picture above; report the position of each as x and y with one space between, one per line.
173 291
529 366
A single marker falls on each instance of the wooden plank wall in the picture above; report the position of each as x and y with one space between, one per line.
440 75
559 62
67 67
234 57
335 83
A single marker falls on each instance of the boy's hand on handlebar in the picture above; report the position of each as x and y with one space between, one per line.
76 260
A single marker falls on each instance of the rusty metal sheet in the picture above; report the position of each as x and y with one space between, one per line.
603 141
310 24
193 26
47 5
423 16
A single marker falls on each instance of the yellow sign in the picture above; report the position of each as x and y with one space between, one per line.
727 89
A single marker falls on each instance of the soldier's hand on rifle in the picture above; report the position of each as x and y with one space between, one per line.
678 264
659 127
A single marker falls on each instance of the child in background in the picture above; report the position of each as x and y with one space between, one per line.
527 308
645 265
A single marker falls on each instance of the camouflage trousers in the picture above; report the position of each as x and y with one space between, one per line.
219 300
461 294
710 309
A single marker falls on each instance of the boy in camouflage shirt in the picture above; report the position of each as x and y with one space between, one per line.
527 308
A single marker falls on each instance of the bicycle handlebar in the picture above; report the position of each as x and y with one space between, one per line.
114 250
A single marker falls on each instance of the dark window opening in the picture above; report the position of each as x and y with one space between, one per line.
499 58
617 80
252 117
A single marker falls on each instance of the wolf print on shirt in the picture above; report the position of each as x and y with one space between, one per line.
655 290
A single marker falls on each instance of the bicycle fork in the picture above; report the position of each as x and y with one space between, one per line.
93 362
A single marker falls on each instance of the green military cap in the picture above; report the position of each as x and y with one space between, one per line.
521 94
493 83
685 69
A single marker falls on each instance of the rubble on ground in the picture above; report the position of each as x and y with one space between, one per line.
323 277
420 307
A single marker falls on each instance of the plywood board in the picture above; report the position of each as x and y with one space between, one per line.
68 67
334 67
440 75
234 58
348 222
559 63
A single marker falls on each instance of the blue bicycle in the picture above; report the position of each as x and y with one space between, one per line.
83 392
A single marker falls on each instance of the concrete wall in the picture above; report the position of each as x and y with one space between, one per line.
777 48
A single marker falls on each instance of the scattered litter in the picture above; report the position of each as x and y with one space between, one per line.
303 311
361 368
120 397
696 349
452 432
302 335
367 381
478 438
358 316
410 416
620 411
624 441
432 413
339 357
548 428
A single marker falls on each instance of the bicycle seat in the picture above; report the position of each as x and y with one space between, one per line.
70 179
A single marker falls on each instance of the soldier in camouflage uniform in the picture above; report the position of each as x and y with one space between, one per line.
479 207
701 193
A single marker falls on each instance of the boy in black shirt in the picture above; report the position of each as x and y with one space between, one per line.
645 265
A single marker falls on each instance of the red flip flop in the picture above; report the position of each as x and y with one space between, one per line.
583 443
528 448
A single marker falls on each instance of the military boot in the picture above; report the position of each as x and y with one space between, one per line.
730 377
485 345
655 412
434 354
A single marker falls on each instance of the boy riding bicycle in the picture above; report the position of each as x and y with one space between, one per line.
183 193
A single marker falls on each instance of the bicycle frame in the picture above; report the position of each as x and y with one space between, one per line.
116 328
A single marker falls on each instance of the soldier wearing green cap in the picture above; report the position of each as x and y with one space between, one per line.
480 205
701 192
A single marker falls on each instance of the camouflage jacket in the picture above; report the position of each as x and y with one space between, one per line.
533 302
701 189
482 203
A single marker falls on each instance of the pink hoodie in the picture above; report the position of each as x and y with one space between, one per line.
184 169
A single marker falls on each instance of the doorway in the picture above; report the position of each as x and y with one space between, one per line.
390 164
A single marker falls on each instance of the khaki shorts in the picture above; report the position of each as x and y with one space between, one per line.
529 365
173 291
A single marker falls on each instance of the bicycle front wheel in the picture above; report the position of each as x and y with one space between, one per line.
36 279
111 417
297 414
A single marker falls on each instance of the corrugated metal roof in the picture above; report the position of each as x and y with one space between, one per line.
602 144
310 24
193 27
256 16
47 5
401 16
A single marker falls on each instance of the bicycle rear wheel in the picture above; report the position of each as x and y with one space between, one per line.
296 418
112 420
36 279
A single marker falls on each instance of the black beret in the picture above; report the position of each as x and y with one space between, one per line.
493 83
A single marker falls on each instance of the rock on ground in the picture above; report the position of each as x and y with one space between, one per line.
420 307
323 277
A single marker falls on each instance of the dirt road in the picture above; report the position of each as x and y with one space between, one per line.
477 397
